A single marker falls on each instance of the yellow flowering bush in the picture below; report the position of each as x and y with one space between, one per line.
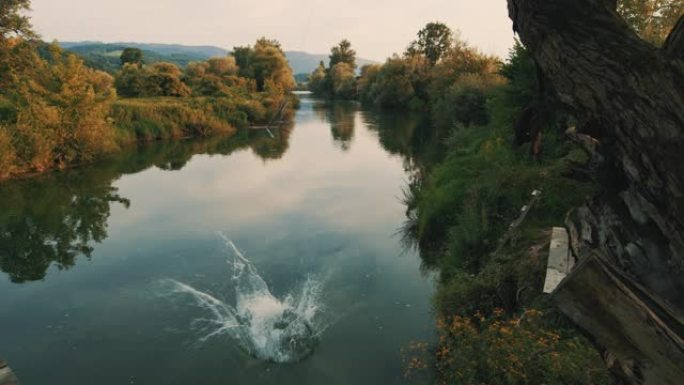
498 351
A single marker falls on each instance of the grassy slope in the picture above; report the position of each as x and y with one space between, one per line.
464 207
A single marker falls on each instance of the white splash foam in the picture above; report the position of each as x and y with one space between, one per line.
266 327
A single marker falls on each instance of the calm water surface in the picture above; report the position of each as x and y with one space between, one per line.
86 256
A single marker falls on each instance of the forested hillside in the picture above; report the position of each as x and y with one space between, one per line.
105 56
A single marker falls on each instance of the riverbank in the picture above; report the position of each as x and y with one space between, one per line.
139 120
489 299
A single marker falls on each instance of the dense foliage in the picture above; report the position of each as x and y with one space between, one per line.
461 206
498 350
651 19
266 64
437 73
55 111
263 68
339 79
56 220
433 42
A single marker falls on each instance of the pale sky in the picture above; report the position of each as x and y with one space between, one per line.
376 28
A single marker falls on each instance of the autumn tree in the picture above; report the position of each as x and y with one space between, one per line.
217 77
60 113
339 79
158 79
343 80
265 63
651 19
15 30
164 79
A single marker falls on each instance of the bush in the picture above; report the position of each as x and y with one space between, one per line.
161 118
465 102
59 113
522 350
7 153
158 79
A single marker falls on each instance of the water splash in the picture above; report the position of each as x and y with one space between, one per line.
266 327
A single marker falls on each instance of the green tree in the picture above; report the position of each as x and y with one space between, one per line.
132 56
651 19
318 80
434 40
15 30
343 53
391 85
243 59
130 81
12 22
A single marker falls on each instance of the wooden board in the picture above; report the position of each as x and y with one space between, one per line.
560 261
640 331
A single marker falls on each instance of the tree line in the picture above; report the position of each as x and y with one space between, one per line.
55 111
441 74
262 68
494 324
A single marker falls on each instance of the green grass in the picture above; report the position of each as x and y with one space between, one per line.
470 199
464 207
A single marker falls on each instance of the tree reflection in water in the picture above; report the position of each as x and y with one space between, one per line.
420 145
55 218
340 114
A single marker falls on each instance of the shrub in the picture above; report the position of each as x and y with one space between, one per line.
160 118
494 350
7 153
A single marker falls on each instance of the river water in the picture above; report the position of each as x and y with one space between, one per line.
125 272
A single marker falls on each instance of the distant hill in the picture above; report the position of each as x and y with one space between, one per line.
306 63
105 56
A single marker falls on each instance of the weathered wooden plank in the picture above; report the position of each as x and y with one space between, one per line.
638 330
560 261
7 377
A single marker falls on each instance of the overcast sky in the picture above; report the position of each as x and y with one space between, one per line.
376 28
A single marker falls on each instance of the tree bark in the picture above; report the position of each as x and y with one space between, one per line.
608 76
674 45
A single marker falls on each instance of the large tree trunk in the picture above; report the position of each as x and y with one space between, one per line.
634 92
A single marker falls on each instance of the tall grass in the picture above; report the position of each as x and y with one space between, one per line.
162 118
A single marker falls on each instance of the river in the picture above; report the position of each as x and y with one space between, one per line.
106 267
